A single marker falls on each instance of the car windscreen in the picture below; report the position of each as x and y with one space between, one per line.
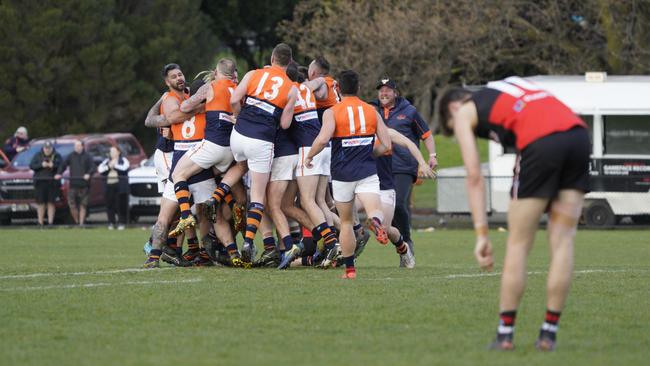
23 158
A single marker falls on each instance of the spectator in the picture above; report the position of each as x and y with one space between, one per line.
81 169
17 143
46 189
401 116
116 169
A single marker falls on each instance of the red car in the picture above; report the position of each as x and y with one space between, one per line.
17 187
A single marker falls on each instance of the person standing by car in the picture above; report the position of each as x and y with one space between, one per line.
17 143
46 189
81 169
115 168
402 116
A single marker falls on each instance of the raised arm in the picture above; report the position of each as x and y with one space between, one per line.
196 100
399 139
239 94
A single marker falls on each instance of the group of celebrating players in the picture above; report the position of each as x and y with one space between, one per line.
287 147
303 140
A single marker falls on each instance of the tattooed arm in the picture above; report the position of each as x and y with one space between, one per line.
154 118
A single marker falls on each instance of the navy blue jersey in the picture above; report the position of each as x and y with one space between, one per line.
284 145
404 118
353 140
218 110
385 172
266 96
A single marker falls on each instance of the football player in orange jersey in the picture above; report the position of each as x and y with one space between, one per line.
269 97
169 108
352 126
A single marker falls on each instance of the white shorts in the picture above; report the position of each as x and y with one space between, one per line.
321 162
201 191
283 168
162 161
207 154
387 197
345 191
258 153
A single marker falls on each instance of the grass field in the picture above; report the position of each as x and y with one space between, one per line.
77 297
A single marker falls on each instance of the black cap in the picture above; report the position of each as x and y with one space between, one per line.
386 82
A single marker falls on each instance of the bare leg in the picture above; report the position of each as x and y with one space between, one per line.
74 212
168 209
275 193
82 214
51 211
565 213
40 212
321 193
346 236
291 210
523 220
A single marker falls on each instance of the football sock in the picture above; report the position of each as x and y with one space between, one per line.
357 227
229 200
315 234
549 327
172 243
193 244
155 254
288 243
296 235
253 219
269 243
400 245
232 249
220 192
328 236
182 191
506 329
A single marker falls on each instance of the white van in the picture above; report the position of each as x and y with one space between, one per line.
617 110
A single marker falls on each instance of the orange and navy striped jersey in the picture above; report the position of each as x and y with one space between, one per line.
305 126
266 96
218 126
353 140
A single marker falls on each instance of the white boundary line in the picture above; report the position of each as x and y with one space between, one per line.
496 274
92 273
101 284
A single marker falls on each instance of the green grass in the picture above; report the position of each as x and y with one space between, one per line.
425 194
387 316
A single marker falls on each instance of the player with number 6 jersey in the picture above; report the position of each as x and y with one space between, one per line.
214 148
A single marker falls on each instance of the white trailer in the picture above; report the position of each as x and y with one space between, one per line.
617 110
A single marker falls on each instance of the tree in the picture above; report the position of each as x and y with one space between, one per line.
72 66
248 27
427 45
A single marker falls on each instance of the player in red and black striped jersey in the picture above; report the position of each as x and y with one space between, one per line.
551 176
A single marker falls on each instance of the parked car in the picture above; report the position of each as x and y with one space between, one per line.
17 187
144 199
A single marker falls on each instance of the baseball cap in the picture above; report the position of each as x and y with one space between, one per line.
47 144
386 82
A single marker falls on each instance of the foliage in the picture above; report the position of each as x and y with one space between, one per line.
72 66
427 45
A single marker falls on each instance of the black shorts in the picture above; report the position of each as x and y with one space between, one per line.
553 163
46 191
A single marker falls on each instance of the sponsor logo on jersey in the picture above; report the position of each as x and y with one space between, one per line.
358 141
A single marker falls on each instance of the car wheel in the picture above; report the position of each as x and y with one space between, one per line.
599 215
